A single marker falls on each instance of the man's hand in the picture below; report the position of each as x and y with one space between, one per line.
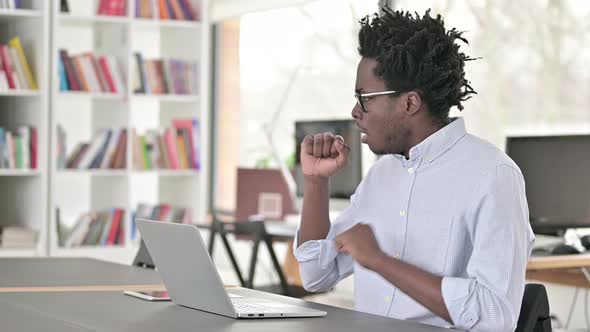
359 242
322 155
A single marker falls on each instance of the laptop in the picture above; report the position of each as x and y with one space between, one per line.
181 257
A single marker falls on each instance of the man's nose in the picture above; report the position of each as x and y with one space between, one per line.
356 113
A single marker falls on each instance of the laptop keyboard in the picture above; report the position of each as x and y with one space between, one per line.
245 307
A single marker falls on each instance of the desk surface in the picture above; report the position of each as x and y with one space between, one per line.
558 262
562 269
113 311
71 272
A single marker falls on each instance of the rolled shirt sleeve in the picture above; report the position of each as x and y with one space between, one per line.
489 296
321 266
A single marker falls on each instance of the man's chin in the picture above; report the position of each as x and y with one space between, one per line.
379 150
375 150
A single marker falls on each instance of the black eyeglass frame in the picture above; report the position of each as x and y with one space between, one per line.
360 97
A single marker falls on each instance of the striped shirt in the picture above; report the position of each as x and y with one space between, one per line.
457 209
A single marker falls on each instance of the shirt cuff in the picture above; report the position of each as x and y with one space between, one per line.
322 250
458 296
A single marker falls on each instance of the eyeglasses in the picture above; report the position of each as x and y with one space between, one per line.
362 98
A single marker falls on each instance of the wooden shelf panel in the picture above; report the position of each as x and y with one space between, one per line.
146 22
21 93
168 172
67 19
91 95
17 15
167 97
19 172
10 252
93 172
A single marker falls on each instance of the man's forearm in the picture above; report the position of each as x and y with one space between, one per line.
423 287
315 217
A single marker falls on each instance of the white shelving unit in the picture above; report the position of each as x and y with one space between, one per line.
17 15
82 114
23 200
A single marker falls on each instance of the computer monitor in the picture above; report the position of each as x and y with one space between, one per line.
344 183
556 171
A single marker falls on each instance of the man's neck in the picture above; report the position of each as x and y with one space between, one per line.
423 132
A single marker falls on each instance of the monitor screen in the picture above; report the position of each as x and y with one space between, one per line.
344 183
556 171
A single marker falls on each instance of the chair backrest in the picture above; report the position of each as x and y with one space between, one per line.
534 312
254 184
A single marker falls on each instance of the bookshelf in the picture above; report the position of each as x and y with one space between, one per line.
9 172
82 114
18 15
24 191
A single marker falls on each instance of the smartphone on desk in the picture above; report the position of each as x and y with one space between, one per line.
150 295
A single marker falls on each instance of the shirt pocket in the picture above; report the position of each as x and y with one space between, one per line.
427 241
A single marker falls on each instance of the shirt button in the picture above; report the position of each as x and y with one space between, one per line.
411 170
387 299
402 213
396 256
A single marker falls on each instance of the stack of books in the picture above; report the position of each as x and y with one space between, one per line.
15 72
86 72
99 228
161 212
172 148
112 7
18 150
11 4
166 10
107 150
167 76
15 237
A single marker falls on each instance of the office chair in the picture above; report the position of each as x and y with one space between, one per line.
534 312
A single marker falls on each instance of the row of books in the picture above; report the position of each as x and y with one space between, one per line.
165 76
16 237
161 212
112 7
15 72
86 72
172 148
107 150
18 150
96 228
166 10
11 4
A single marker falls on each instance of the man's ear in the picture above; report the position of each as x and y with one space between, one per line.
413 102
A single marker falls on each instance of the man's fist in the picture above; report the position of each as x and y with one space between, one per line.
322 155
359 242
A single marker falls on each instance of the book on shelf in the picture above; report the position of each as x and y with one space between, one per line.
17 237
19 150
64 7
95 228
11 4
90 73
106 150
15 72
166 10
112 7
61 147
165 76
161 212
175 147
